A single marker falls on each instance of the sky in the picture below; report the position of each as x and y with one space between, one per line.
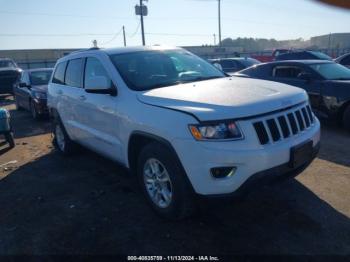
35 24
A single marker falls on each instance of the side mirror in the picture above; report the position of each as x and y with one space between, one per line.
23 84
100 85
305 76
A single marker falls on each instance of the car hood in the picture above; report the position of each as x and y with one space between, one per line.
225 98
40 88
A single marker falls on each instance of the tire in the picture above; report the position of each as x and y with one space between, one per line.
61 140
346 118
18 107
33 111
171 183
9 138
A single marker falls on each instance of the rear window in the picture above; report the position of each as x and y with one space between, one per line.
74 73
6 63
40 77
58 77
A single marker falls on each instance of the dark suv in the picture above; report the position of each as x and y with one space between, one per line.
9 75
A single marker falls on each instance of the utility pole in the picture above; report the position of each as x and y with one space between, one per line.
214 35
142 11
142 27
329 41
124 36
219 16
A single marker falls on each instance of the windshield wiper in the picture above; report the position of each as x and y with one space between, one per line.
342 78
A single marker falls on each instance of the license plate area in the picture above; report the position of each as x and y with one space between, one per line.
301 154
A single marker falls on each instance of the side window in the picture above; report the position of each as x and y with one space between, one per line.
74 72
94 68
228 65
286 71
345 61
58 77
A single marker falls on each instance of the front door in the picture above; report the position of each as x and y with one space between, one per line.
289 75
97 115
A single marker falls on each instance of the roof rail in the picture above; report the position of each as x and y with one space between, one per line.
85 49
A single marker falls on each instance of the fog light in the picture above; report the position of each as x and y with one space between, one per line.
222 172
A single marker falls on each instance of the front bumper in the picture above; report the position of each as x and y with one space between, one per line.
279 173
249 157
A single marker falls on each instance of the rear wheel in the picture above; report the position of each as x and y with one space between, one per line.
164 183
9 138
346 118
61 140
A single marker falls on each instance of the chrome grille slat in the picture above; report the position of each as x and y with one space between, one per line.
276 127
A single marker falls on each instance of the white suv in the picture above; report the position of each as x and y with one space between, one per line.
179 123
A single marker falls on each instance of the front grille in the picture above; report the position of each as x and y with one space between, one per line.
275 128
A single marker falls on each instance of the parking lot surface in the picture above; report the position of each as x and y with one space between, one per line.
85 204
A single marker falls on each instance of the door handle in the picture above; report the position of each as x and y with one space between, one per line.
59 92
82 98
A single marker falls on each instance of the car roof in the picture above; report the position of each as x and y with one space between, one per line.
115 51
306 62
38 69
232 58
123 50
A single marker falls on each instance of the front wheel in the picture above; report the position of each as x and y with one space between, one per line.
9 138
346 118
164 183
18 107
33 110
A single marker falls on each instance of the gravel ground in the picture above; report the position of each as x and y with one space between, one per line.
86 204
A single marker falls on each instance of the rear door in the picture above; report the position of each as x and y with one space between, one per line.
288 74
69 91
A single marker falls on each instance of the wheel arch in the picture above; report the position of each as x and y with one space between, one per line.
139 139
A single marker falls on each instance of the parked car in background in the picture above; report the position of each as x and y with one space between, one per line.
326 82
344 60
303 55
265 57
180 124
9 75
31 91
232 65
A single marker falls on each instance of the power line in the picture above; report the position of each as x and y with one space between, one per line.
113 38
136 30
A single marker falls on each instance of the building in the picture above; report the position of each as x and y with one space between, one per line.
44 58
35 58
331 41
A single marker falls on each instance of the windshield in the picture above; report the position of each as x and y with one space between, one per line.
153 69
320 55
6 63
332 71
40 77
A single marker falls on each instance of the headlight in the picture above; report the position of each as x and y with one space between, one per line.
216 131
39 95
